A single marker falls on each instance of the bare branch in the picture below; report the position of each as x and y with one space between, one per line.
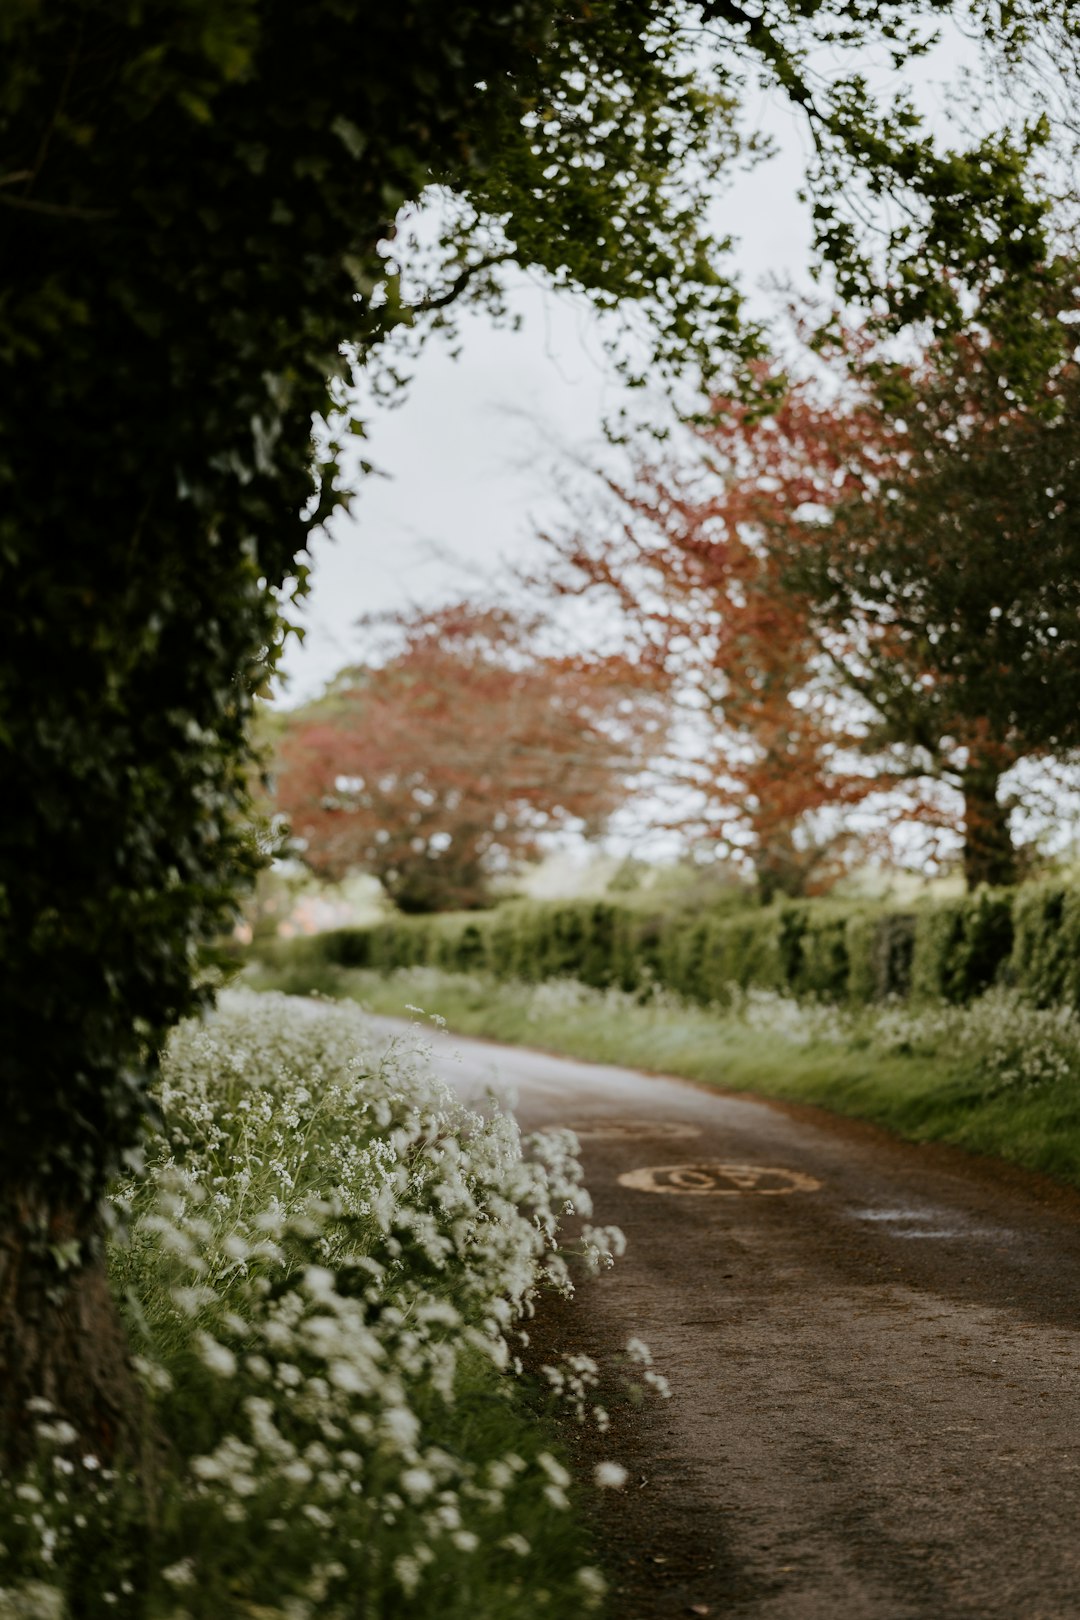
440 300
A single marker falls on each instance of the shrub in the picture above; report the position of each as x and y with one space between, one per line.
823 964
1045 960
961 946
880 949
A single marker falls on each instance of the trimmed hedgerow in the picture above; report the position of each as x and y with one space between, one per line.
1045 959
880 949
950 950
962 946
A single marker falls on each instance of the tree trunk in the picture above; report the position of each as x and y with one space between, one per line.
61 1337
781 871
989 855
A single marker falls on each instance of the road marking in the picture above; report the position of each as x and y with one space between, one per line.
619 1129
719 1180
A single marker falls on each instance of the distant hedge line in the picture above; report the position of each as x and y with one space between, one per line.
953 950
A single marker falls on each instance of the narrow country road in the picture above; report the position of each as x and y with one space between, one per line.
873 1348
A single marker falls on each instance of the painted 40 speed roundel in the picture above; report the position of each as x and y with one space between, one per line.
719 1180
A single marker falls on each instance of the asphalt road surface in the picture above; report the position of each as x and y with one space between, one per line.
873 1348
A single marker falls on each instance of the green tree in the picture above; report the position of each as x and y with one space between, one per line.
946 577
197 207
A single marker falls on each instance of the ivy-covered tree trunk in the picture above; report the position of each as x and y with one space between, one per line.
61 1338
186 219
989 854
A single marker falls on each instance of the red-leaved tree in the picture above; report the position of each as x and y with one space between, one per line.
872 590
441 764
689 558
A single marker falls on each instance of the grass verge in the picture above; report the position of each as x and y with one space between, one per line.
997 1076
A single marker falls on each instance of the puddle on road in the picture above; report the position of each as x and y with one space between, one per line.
915 1224
718 1180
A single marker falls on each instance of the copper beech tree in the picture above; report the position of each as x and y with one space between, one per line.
441 765
769 749
875 589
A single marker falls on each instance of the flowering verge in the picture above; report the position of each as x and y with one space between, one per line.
998 1075
998 1044
323 1265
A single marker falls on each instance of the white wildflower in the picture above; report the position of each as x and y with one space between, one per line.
418 1483
346 1376
58 1434
33 1600
319 1282
191 1300
554 1470
182 1573
153 1374
399 1424
217 1357
591 1581
407 1573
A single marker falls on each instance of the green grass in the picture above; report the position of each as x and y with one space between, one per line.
996 1077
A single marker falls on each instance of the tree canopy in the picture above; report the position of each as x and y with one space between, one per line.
440 767
871 589
681 552
946 577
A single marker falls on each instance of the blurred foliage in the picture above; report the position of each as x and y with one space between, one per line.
437 766
1027 939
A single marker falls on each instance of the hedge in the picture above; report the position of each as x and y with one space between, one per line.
948 950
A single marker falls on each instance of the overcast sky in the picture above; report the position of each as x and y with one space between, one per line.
468 457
